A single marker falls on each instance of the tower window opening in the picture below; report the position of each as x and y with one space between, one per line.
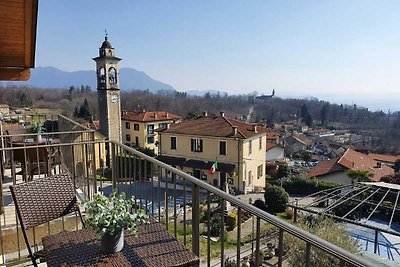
112 75
102 76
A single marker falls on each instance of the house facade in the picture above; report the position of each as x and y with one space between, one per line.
237 148
139 128
274 152
296 143
4 109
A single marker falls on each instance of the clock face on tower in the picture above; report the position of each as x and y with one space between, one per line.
114 98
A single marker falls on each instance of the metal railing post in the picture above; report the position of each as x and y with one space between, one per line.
257 261
308 254
195 219
113 166
280 248
239 234
222 234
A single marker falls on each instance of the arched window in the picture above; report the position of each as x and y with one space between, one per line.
112 76
102 76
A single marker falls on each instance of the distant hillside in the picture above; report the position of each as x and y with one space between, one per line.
50 77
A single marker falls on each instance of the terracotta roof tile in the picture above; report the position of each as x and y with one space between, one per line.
355 160
215 126
270 145
96 125
148 116
12 126
352 160
302 139
326 167
272 135
384 158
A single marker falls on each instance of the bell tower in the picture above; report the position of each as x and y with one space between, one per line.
108 91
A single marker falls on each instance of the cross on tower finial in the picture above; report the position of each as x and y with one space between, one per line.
106 37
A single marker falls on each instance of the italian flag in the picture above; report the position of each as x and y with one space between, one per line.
213 167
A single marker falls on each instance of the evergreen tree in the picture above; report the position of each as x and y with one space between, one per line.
305 115
84 111
324 114
76 112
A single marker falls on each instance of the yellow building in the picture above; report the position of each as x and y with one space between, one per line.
237 147
139 128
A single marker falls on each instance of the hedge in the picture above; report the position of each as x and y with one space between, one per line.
304 187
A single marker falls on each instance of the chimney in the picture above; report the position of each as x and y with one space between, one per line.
234 130
167 126
124 112
205 114
254 128
222 114
166 114
143 110
155 115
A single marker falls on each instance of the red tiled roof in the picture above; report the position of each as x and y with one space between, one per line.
12 126
215 126
272 135
270 145
147 116
352 160
326 167
96 125
384 158
301 138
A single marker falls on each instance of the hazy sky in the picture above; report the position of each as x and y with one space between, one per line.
345 51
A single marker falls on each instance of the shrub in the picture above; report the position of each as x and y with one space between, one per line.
260 204
301 186
276 198
289 214
324 228
215 226
231 221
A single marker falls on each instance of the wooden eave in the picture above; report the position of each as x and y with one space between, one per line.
18 24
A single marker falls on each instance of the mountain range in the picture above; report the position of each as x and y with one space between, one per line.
51 77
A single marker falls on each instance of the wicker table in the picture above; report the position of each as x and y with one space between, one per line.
154 246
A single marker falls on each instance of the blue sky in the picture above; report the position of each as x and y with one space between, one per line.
344 51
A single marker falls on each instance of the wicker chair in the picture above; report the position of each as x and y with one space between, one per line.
41 201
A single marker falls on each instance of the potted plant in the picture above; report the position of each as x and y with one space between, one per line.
110 216
261 255
37 128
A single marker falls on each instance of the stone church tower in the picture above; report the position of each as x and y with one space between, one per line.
108 91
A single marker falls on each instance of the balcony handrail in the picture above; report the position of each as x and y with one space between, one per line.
281 224
44 133
52 145
76 123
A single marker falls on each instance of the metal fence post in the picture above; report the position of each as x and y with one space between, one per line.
308 254
195 220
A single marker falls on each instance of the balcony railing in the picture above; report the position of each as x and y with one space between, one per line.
183 203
